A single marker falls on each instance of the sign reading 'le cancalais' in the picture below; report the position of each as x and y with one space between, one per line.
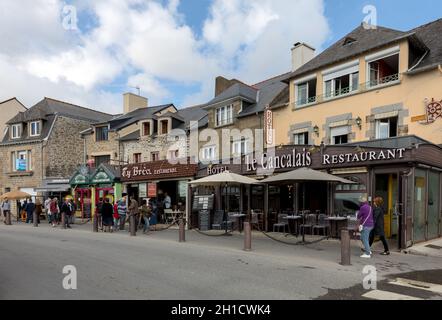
303 158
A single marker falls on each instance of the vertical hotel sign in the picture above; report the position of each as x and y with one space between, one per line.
268 125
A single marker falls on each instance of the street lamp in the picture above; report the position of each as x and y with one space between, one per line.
316 130
359 122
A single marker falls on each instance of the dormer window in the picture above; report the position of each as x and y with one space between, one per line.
34 128
348 41
146 128
224 115
16 130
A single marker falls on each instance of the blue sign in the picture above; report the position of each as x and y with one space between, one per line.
20 164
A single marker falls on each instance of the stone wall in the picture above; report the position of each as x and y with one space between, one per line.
100 148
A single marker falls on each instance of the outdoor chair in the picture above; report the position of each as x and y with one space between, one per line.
168 216
230 221
310 221
218 220
282 223
323 224
257 219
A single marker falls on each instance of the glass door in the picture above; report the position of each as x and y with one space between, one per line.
419 219
433 205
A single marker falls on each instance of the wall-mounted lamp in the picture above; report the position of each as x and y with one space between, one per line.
316 130
359 122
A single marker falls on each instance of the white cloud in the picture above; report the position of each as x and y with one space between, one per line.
147 43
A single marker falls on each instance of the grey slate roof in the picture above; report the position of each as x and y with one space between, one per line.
136 115
426 37
47 110
237 90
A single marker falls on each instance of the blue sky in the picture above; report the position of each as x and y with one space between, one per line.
172 49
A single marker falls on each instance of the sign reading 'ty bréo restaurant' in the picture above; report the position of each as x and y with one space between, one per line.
156 170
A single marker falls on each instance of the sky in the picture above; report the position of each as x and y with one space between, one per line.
91 52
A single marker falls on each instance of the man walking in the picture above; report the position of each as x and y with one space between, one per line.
30 207
6 208
66 211
122 212
133 211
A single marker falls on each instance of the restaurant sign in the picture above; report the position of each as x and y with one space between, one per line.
101 177
156 170
304 158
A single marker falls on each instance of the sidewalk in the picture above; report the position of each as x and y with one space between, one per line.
430 249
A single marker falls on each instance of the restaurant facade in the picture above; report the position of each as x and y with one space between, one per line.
406 172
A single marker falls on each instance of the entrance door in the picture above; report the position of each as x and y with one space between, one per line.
433 205
387 188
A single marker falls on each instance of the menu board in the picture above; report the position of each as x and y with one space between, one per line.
203 202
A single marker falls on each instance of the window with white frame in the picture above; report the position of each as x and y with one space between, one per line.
208 153
301 138
224 115
21 160
34 128
386 128
306 92
240 147
339 135
341 80
16 130
383 67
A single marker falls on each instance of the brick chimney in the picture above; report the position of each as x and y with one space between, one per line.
301 54
222 84
133 102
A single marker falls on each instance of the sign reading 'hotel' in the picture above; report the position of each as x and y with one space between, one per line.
304 158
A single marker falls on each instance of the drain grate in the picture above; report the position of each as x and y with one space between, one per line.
432 246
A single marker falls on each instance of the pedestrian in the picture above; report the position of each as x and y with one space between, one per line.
378 230
65 210
122 212
99 213
146 214
365 217
167 201
134 211
107 211
47 207
73 210
30 207
6 209
53 212
38 210
116 217
153 221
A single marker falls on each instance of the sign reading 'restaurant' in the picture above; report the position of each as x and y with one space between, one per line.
303 158
156 170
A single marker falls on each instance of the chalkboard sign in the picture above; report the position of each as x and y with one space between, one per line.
204 220
203 202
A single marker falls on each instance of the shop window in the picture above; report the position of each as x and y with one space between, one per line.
137 157
102 133
386 128
301 139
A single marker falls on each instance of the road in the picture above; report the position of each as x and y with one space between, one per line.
156 266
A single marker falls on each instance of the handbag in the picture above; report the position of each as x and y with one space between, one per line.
361 226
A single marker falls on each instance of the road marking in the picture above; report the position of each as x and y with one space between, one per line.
385 295
436 288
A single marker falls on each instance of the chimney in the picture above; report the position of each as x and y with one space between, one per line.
133 102
222 84
301 54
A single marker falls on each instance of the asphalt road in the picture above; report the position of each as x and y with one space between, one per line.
116 266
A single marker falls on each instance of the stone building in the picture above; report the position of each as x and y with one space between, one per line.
8 109
42 147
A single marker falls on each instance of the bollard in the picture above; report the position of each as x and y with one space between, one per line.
182 232
133 230
35 218
247 236
63 220
345 247
95 223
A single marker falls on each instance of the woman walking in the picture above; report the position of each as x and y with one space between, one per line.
365 217
378 230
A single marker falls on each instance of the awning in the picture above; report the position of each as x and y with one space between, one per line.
54 185
306 174
225 177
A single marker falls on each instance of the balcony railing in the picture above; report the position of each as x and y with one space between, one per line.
349 90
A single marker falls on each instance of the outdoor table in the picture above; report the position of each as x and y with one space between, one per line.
336 224
293 222
240 218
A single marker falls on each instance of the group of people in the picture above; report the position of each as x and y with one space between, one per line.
114 216
55 211
371 219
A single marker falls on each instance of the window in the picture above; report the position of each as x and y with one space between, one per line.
386 128
306 92
101 159
224 115
173 154
339 135
21 161
146 129
137 157
342 85
384 70
208 153
164 124
154 156
300 138
16 131
35 128
102 133
239 147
